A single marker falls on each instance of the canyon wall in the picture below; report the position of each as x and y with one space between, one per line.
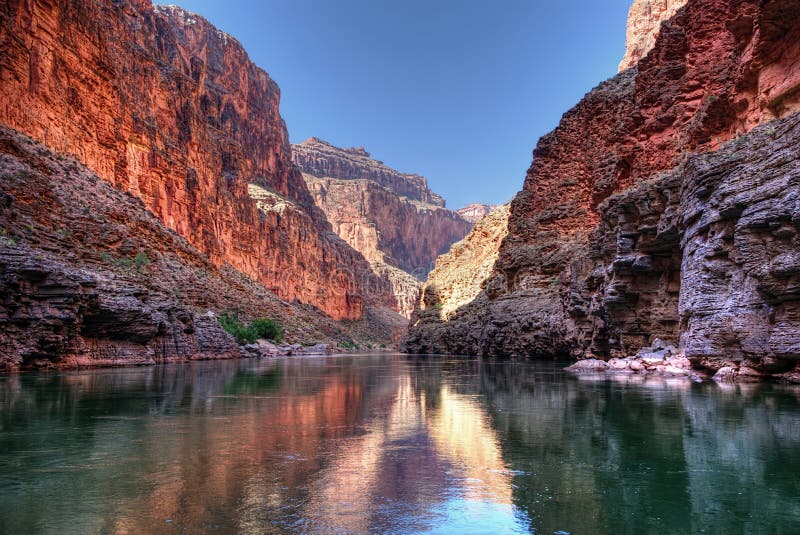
456 279
718 69
381 213
644 23
90 277
321 159
163 105
474 212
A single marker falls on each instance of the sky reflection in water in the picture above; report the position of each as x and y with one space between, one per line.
392 444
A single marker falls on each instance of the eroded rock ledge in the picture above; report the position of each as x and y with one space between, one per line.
392 218
90 277
619 238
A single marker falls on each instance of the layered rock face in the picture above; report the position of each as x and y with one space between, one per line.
456 280
369 207
319 158
165 106
474 212
90 277
605 252
644 23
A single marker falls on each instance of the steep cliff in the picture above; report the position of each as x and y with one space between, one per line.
474 212
380 212
718 68
90 277
644 23
168 108
321 159
456 280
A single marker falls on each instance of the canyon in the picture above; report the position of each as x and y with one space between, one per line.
161 104
149 185
391 218
658 211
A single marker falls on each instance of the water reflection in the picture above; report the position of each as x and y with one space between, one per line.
392 444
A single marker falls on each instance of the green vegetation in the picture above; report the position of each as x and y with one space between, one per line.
64 232
247 334
348 344
267 328
140 260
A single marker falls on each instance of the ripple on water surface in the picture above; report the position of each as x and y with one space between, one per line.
393 444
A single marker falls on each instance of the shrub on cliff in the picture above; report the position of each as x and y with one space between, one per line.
247 334
267 328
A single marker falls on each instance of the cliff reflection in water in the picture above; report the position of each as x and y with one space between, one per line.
392 444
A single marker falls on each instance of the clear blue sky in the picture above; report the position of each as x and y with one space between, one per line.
458 91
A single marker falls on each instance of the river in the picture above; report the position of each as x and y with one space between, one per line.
393 444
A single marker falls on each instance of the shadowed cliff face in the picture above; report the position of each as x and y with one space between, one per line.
165 106
718 68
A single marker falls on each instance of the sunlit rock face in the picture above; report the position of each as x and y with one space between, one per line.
595 261
321 159
456 280
163 105
644 22
474 212
392 218
90 277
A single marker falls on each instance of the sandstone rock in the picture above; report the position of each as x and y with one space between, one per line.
317 349
321 159
475 212
618 237
166 107
637 366
674 370
725 373
588 365
617 364
267 348
644 23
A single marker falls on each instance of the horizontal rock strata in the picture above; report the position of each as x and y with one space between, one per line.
90 277
617 238
163 105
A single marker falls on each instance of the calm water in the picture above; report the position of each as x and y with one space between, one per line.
392 444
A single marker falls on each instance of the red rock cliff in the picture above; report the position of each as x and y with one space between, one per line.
382 213
320 158
165 106
718 68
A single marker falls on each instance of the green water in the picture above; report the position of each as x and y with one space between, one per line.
393 444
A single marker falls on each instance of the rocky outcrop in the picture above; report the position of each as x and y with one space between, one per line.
164 106
321 159
90 277
376 211
474 212
644 22
386 227
456 280
607 248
